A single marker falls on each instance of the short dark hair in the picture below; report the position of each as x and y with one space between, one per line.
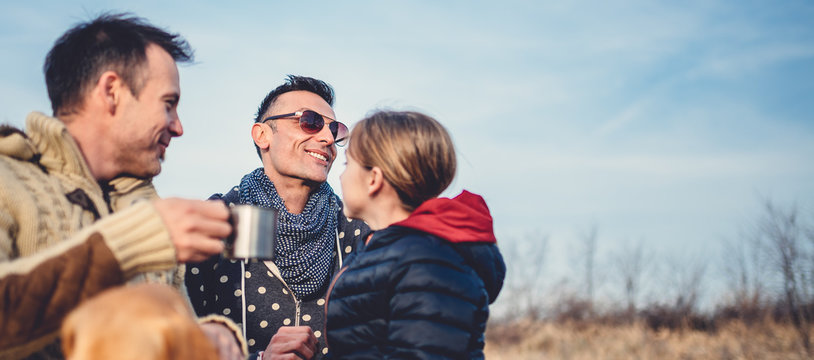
115 42
294 83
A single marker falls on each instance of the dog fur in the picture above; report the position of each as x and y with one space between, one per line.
146 321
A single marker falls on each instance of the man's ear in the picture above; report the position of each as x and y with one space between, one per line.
260 136
108 90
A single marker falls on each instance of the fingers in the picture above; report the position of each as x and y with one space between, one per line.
196 227
197 249
212 218
214 209
292 342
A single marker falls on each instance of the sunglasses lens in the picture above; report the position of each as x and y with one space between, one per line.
311 122
340 132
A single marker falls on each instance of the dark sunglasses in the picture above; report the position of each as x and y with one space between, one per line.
312 122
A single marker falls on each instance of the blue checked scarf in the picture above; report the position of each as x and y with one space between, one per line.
306 241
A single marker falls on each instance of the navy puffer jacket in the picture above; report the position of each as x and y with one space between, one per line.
411 294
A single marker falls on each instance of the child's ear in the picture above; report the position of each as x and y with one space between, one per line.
375 181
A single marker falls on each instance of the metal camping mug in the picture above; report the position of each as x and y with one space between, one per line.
254 233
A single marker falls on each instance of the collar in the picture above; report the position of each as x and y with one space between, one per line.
58 150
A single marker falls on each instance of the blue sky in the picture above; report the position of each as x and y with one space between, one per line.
659 122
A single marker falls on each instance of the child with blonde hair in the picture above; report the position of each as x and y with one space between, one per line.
421 285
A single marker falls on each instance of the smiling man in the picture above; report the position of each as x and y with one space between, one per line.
281 303
78 213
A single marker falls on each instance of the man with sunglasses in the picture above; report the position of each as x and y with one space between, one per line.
280 304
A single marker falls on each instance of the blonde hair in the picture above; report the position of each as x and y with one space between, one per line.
414 152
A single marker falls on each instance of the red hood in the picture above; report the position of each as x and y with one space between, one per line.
464 218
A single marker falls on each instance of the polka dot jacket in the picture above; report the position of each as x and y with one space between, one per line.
215 287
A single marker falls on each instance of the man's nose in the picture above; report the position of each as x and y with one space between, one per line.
325 135
176 129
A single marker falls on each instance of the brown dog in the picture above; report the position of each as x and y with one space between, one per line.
146 321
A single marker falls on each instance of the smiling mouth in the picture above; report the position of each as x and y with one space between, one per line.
164 142
318 156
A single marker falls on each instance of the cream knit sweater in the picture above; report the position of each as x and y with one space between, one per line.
55 253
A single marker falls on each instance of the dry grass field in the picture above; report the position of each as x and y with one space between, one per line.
546 340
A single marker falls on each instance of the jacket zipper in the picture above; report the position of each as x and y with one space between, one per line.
297 303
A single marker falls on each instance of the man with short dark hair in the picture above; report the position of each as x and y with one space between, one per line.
281 303
78 213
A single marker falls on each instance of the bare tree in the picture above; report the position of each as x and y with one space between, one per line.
678 294
809 284
745 269
685 279
783 233
631 265
588 240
